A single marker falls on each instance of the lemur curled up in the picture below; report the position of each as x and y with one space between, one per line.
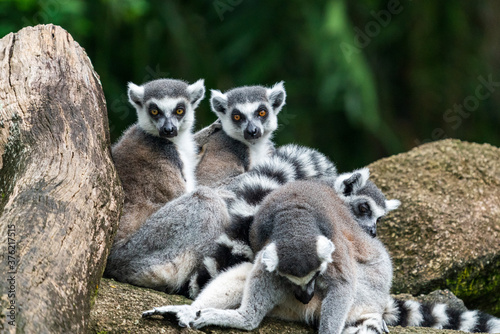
156 157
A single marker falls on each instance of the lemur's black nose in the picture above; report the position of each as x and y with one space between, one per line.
168 131
252 132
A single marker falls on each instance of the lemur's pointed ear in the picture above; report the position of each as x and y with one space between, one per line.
270 257
218 102
392 204
196 92
349 183
324 248
135 94
277 96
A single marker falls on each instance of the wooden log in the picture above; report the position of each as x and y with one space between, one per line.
60 194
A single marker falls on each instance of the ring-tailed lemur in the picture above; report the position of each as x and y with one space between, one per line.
155 158
168 248
314 264
241 137
351 295
366 202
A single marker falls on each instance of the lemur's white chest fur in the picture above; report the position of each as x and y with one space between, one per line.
259 151
186 147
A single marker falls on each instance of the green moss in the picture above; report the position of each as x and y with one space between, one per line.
478 286
93 297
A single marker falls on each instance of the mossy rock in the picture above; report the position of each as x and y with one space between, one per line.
446 234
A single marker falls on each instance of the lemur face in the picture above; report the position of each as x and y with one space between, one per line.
300 267
365 201
165 107
367 213
249 113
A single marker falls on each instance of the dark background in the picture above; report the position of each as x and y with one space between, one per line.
365 79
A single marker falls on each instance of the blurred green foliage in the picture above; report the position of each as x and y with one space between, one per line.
365 79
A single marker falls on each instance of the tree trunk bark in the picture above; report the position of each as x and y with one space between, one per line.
60 194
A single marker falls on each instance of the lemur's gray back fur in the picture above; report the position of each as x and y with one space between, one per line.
248 117
155 157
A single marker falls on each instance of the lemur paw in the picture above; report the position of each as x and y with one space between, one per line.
186 315
203 318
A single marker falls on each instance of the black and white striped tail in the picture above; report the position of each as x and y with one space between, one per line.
288 163
412 313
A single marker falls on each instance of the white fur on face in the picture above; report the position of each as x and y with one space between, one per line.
248 110
167 106
301 281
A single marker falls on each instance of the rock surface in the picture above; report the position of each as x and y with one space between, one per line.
119 306
446 234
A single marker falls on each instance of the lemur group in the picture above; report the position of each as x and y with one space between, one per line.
250 230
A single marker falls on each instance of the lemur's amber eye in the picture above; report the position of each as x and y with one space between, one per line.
236 117
262 113
179 111
154 112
